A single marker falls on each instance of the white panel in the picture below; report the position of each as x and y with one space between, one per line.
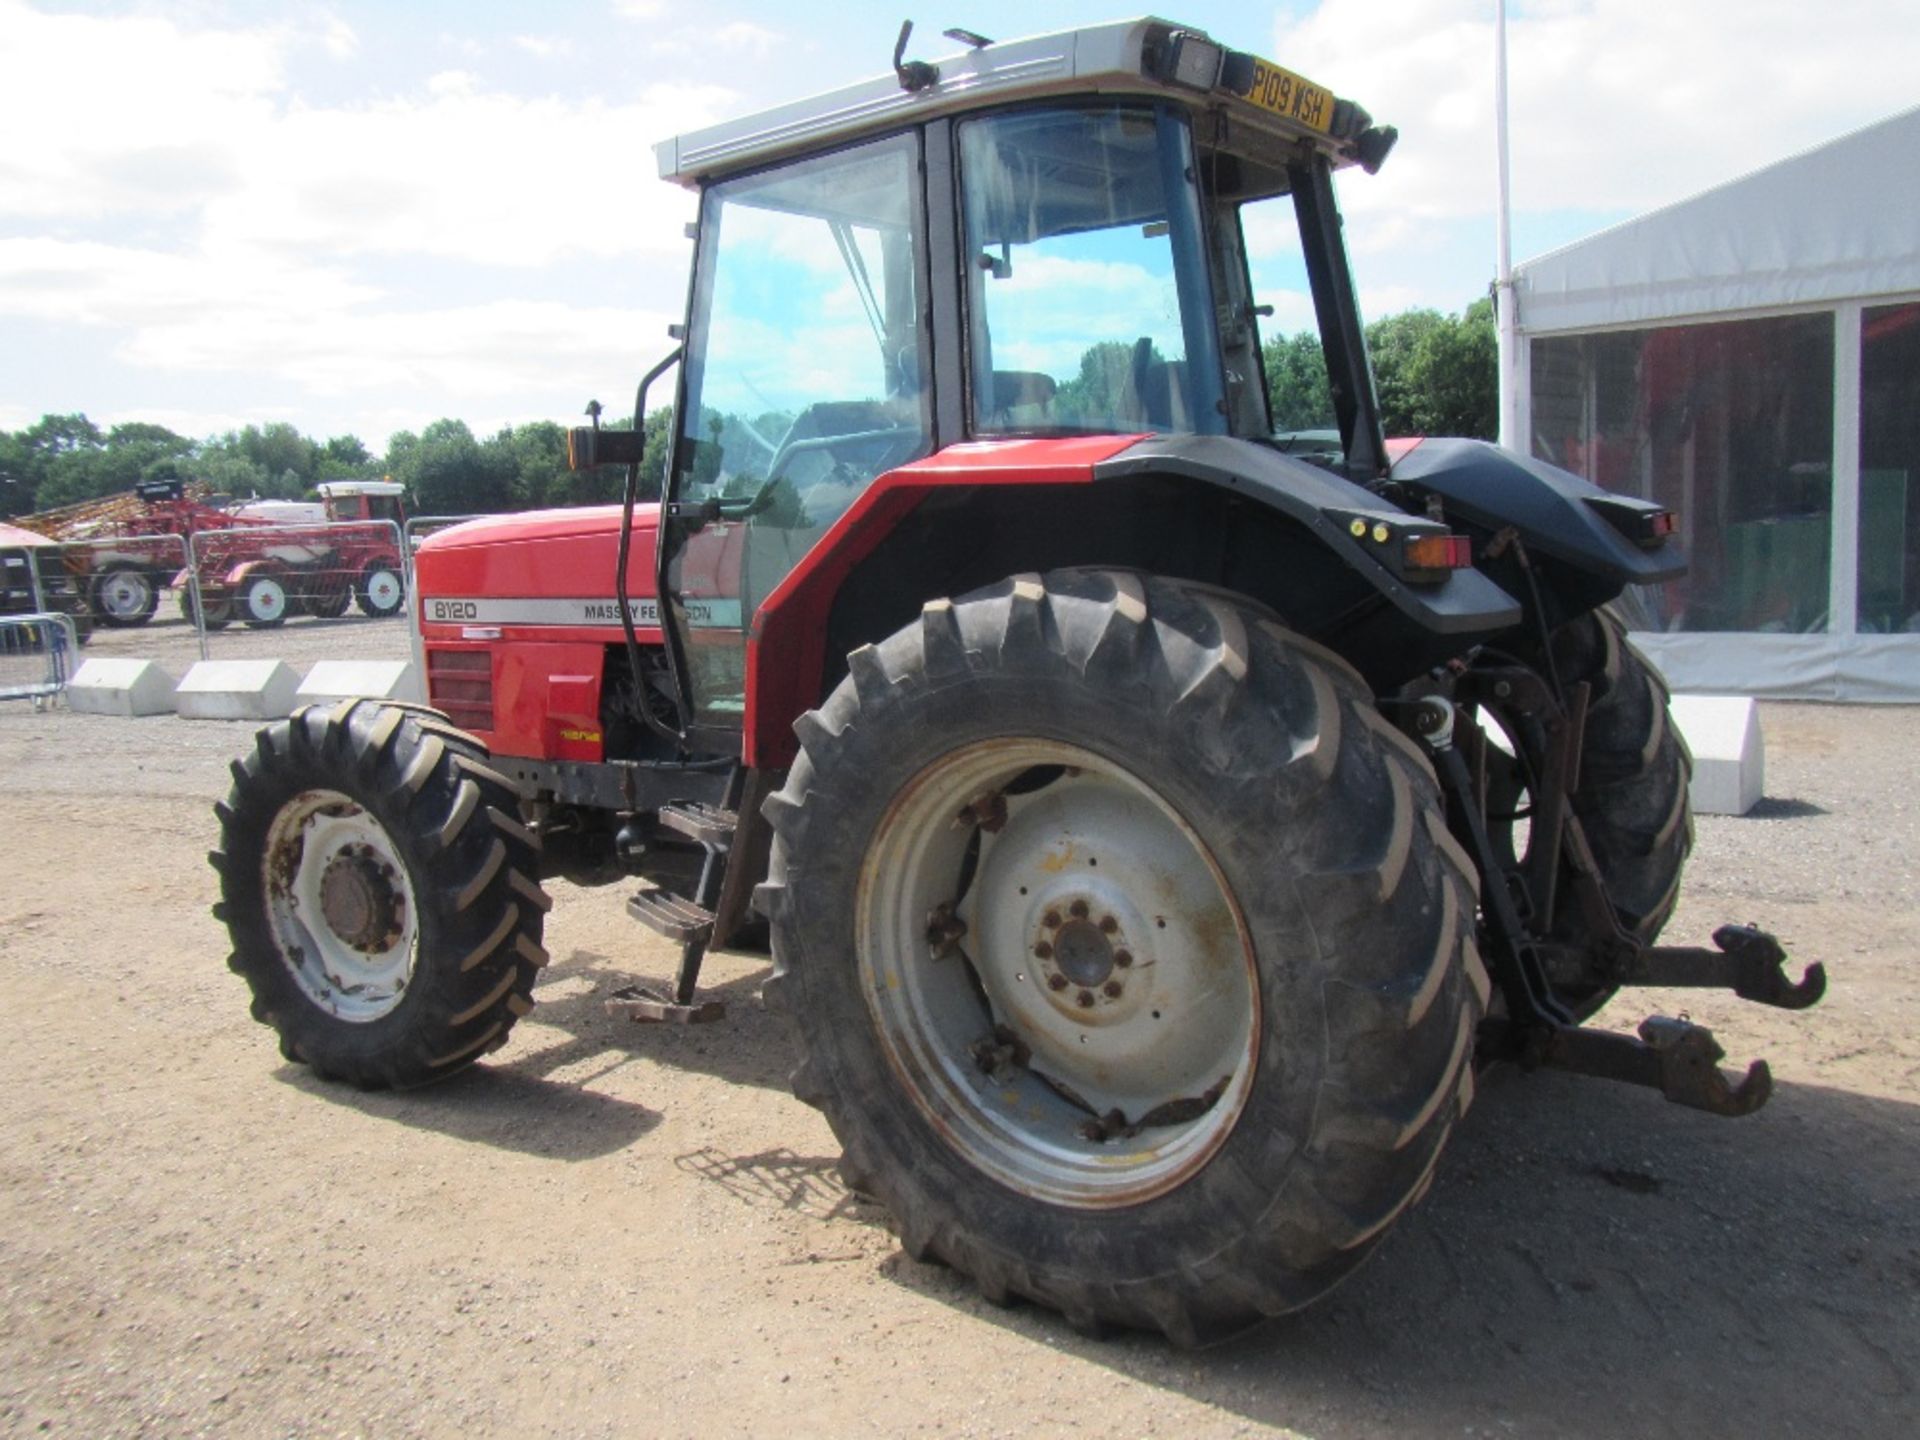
237 690
1831 224
103 686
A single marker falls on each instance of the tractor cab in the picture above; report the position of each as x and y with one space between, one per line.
364 500
1033 241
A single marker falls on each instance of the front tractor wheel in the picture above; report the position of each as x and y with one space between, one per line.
1125 949
381 591
379 893
264 602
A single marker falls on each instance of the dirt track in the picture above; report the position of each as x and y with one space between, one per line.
617 1230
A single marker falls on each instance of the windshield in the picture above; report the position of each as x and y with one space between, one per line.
1088 301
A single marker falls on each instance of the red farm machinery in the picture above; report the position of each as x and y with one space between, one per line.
1157 827
259 562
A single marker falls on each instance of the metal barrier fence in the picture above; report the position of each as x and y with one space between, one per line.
418 527
123 578
262 576
36 656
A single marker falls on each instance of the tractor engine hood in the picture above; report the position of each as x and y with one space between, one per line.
543 569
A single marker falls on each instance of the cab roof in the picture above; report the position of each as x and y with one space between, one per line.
1146 57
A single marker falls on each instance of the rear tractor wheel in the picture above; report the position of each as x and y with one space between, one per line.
219 607
381 591
1632 800
124 596
380 893
1126 950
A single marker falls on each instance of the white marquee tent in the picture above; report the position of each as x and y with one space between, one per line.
1751 358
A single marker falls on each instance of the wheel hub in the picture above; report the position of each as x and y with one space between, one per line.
1080 1017
341 905
360 901
1084 955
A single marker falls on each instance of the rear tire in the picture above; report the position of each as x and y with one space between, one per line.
1275 860
219 608
380 893
1634 773
123 596
328 604
382 591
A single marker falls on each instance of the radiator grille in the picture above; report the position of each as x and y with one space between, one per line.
460 682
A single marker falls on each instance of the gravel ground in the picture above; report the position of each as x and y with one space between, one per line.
612 1230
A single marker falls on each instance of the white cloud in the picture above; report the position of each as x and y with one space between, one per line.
545 47
179 100
1614 104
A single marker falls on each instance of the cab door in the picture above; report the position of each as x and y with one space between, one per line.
806 377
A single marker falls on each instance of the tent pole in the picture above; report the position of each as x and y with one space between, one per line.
1504 304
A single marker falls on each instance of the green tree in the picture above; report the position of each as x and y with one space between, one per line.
343 457
448 472
1297 391
1434 374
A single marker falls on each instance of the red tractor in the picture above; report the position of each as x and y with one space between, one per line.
263 568
1156 829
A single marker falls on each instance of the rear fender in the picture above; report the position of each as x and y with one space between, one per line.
1552 509
797 635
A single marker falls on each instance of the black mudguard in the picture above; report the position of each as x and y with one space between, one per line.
1331 509
1491 488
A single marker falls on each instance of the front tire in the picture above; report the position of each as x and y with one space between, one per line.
380 893
264 603
1034 781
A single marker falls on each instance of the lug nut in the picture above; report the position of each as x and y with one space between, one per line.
1112 989
1108 924
1052 922
1084 999
1123 958
1078 909
1056 982
1043 950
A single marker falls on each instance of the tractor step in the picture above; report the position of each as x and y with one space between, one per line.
638 1002
671 915
710 825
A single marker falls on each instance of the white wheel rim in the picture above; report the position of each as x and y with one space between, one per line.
1112 956
383 590
340 904
266 599
125 594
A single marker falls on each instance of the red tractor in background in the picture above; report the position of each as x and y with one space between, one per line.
260 567
347 552
1156 825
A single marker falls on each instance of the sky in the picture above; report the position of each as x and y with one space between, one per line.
361 217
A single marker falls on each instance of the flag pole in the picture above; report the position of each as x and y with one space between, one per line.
1505 320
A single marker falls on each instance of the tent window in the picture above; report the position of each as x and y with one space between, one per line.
1890 469
1730 425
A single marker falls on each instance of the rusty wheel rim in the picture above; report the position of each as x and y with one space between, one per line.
340 904
1058 972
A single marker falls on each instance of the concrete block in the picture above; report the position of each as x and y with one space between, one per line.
237 690
366 679
1729 759
120 687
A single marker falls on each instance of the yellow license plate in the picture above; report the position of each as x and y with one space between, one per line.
1289 95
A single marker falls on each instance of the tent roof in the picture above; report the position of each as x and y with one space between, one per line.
1832 223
